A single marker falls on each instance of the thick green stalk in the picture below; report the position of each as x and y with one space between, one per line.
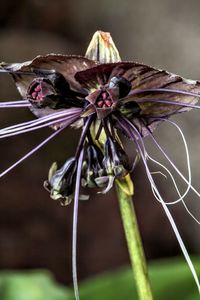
134 244
103 49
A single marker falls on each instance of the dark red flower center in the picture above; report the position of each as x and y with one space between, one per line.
37 93
39 89
104 100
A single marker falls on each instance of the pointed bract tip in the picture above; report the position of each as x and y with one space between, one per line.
102 48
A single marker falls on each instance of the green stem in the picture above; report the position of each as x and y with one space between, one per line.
134 244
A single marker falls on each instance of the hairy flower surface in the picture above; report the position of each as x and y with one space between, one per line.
106 98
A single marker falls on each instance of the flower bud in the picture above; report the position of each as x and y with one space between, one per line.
61 181
102 48
129 109
115 159
92 166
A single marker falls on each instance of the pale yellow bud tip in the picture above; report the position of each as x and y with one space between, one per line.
102 48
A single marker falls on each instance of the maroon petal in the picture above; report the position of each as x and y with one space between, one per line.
144 77
147 78
101 74
65 64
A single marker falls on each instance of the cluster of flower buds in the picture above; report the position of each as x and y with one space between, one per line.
99 170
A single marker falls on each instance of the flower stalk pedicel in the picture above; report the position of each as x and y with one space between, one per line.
104 96
124 192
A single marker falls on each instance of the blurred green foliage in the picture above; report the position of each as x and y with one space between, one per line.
31 285
171 279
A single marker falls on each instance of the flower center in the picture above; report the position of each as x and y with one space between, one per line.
39 89
104 100
37 92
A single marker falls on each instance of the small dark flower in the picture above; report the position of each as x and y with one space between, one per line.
61 181
92 166
115 159
105 97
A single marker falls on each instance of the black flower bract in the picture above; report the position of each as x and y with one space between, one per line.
107 98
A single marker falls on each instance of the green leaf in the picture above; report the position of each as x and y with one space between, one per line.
32 285
171 280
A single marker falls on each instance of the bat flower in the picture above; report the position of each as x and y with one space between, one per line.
107 98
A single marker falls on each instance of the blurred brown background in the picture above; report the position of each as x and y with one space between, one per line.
35 231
